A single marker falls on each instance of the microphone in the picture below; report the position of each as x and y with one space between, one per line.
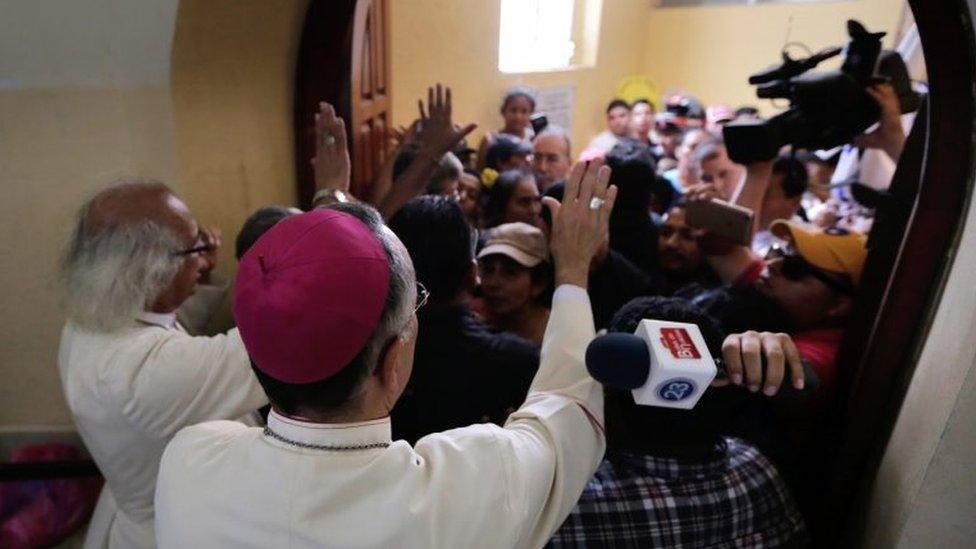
664 364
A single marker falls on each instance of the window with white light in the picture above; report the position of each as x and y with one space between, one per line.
536 35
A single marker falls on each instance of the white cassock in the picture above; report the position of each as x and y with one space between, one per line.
130 391
225 485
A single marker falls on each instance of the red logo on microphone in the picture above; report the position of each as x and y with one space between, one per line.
679 343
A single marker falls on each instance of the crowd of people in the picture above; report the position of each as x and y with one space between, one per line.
407 366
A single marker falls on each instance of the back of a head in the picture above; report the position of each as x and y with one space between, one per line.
440 241
676 433
502 148
302 270
448 168
257 224
794 175
496 197
633 173
120 255
403 159
708 150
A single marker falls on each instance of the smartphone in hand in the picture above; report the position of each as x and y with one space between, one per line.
722 219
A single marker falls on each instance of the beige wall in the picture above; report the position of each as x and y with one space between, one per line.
707 51
456 42
84 99
198 95
710 52
233 92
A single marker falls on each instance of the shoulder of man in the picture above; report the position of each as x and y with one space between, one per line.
203 440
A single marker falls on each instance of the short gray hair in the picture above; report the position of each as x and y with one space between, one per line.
558 131
112 272
403 282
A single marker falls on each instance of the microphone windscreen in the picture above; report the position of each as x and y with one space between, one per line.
619 360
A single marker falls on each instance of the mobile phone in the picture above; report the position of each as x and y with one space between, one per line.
721 218
539 122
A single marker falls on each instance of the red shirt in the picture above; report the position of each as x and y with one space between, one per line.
817 347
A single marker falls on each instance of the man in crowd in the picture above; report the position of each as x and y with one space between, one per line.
683 175
680 255
714 168
463 372
684 482
325 302
131 374
618 125
668 136
641 121
551 157
717 116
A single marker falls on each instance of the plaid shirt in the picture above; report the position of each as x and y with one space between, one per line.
736 499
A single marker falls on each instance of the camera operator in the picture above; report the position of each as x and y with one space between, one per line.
870 159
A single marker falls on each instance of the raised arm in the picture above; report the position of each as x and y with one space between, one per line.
436 135
557 435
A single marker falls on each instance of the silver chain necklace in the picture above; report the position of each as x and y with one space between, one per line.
371 446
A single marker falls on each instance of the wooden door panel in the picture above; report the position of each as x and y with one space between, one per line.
370 106
344 60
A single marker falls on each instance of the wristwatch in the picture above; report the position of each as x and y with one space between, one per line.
324 197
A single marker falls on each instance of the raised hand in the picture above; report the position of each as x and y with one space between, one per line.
744 356
580 223
331 162
437 133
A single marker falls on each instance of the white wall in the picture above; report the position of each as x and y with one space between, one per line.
925 489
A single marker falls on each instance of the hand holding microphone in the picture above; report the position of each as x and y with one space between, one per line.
668 364
743 356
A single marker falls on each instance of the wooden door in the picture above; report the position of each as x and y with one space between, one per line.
370 105
344 59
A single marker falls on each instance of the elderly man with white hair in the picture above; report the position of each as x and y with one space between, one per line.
131 374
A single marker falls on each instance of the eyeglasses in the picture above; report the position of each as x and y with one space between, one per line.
794 267
422 296
194 250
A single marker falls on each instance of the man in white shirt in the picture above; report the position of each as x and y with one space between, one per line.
326 305
618 126
131 374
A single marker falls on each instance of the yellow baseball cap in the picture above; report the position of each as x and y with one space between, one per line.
836 250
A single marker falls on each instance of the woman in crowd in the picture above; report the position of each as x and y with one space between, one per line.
516 280
512 197
516 110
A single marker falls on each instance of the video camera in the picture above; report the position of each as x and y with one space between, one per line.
827 109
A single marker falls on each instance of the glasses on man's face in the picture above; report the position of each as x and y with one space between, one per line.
194 250
422 296
794 267
202 244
